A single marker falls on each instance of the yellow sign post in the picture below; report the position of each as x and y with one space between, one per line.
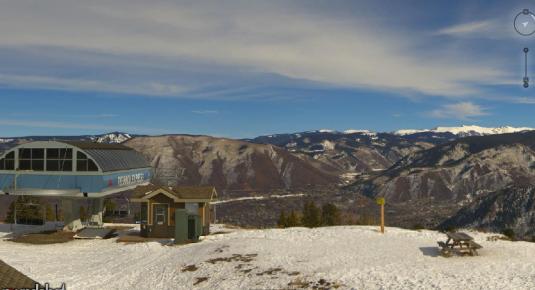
381 202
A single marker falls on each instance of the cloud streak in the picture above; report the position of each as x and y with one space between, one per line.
205 112
469 28
459 111
71 125
240 38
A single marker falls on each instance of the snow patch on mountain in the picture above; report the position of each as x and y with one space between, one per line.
410 131
328 145
355 131
467 130
326 131
112 138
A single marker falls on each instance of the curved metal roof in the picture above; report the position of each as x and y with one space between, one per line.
115 160
109 157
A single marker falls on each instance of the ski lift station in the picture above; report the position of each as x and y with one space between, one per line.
74 172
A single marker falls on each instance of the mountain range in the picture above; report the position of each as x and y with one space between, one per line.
467 130
457 169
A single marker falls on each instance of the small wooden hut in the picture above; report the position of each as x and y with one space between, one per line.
158 204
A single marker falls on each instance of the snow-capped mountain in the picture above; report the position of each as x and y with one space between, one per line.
112 138
466 130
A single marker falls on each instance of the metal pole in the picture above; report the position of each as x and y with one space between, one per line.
14 215
215 216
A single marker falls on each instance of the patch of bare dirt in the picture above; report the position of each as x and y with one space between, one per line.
270 271
199 280
321 284
44 238
190 268
234 258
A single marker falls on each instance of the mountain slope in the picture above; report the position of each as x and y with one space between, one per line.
228 164
459 170
358 151
510 208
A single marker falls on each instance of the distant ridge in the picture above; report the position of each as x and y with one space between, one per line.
466 130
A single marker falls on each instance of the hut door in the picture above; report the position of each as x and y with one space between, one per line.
160 217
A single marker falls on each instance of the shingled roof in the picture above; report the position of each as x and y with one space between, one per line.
11 278
179 192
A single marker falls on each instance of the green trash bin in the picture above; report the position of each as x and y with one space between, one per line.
188 227
181 226
194 227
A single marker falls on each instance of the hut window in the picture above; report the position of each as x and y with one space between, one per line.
160 213
32 159
192 208
59 159
8 162
83 163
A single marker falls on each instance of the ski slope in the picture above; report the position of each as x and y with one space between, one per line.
346 256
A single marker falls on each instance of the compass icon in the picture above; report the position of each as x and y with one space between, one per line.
525 23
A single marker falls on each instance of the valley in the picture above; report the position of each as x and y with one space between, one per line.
430 178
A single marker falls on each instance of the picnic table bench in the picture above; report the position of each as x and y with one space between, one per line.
460 243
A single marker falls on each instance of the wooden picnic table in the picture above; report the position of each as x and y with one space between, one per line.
459 242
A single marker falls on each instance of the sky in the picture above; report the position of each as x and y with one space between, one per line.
241 69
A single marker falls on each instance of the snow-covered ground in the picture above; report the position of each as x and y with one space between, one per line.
352 256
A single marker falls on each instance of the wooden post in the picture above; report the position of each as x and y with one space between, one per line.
381 202
383 218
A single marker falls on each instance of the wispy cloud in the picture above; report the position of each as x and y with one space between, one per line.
205 112
97 116
523 100
459 111
76 84
48 115
467 28
71 125
175 41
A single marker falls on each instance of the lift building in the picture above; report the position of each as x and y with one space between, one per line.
72 171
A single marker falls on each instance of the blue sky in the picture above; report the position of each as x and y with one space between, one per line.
246 68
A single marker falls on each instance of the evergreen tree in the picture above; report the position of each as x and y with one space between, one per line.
283 221
510 233
330 215
293 220
311 215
